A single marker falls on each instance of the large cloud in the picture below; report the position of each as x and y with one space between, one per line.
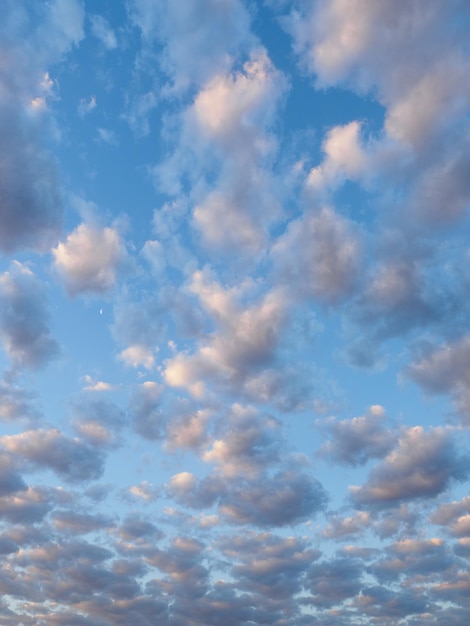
423 465
30 199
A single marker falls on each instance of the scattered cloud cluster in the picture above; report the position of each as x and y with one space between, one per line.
239 396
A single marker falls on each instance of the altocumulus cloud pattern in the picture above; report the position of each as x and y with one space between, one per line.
234 313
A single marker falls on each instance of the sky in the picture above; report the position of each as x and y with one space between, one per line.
234 313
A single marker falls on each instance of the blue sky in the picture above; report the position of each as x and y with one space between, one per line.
234 293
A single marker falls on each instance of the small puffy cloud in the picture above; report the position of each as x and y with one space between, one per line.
187 429
96 385
90 259
356 441
250 443
98 421
345 159
85 106
24 318
422 465
101 29
347 527
138 356
320 256
244 342
145 491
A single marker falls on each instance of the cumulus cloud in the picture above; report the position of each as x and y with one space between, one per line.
71 459
344 159
332 582
16 403
445 369
98 421
24 318
102 30
185 33
90 259
286 498
251 443
319 256
31 205
146 415
358 440
422 465
245 339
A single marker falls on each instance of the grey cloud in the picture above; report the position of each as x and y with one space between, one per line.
146 415
445 369
268 564
281 500
415 557
449 513
31 202
24 318
422 465
26 507
358 440
50 449
31 206
320 256
382 603
98 421
247 443
332 582
16 403
285 498
72 521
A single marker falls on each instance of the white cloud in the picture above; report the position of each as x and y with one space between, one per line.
90 259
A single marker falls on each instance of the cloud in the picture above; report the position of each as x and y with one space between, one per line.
16 403
251 443
422 465
26 507
186 32
50 449
31 203
445 369
286 498
101 29
147 418
344 159
90 259
98 421
268 564
358 440
319 256
332 582
24 318
245 340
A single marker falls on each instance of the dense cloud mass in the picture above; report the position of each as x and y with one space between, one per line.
234 291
